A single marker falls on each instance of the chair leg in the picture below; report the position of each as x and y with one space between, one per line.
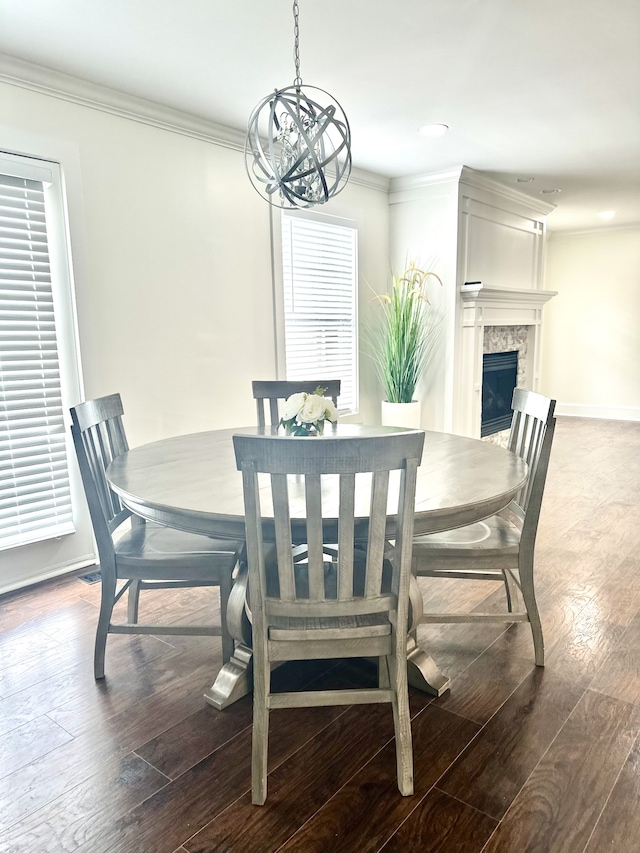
402 725
260 736
133 602
529 596
507 589
104 619
228 645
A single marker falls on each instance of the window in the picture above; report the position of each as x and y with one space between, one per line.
35 501
319 271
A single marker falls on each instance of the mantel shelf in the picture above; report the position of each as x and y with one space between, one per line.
479 294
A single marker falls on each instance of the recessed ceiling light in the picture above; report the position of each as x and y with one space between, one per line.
524 180
551 191
607 214
433 129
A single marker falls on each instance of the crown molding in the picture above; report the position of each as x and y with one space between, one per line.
477 180
464 176
410 187
65 87
416 182
603 229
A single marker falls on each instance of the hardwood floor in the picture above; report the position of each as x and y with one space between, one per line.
512 759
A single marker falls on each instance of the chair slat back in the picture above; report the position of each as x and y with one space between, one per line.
99 436
530 438
343 459
315 554
377 531
284 545
271 391
346 537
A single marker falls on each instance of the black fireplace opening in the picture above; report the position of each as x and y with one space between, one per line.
499 377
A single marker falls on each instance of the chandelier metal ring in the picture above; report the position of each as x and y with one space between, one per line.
298 144
298 150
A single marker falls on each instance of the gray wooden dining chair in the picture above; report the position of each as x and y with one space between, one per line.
271 391
501 547
321 609
148 555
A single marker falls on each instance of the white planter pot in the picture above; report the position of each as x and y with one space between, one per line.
401 414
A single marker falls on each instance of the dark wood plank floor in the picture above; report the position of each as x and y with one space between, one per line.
514 758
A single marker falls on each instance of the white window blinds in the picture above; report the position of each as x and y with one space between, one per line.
319 262
35 501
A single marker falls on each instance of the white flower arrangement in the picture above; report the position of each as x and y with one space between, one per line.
302 413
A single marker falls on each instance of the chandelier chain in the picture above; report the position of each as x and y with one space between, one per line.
298 145
296 50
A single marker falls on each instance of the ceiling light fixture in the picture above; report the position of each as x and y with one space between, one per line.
551 191
524 180
607 214
433 129
298 145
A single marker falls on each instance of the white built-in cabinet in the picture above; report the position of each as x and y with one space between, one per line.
470 228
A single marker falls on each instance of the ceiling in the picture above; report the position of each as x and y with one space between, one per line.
548 90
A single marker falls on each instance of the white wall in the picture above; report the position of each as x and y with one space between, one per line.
172 261
423 228
591 329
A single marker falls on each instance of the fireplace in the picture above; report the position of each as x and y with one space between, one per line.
495 320
499 378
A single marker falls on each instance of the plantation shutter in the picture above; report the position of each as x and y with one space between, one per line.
319 261
35 500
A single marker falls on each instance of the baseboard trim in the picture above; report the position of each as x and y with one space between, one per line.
610 413
49 574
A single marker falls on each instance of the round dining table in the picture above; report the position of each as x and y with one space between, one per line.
191 482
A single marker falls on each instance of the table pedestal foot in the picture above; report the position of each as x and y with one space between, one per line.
422 672
234 680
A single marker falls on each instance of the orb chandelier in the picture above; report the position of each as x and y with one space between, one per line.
298 145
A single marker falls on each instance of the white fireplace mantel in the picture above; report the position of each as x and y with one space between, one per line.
493 306
477 295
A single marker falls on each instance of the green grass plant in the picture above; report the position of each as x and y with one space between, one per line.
402 336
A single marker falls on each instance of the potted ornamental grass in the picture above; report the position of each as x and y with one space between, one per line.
401 343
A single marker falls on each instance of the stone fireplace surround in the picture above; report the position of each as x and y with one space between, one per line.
495 320
507 339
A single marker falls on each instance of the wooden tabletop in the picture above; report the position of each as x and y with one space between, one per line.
191 481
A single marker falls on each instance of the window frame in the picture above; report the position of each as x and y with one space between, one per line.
48 558
278 294
50 175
